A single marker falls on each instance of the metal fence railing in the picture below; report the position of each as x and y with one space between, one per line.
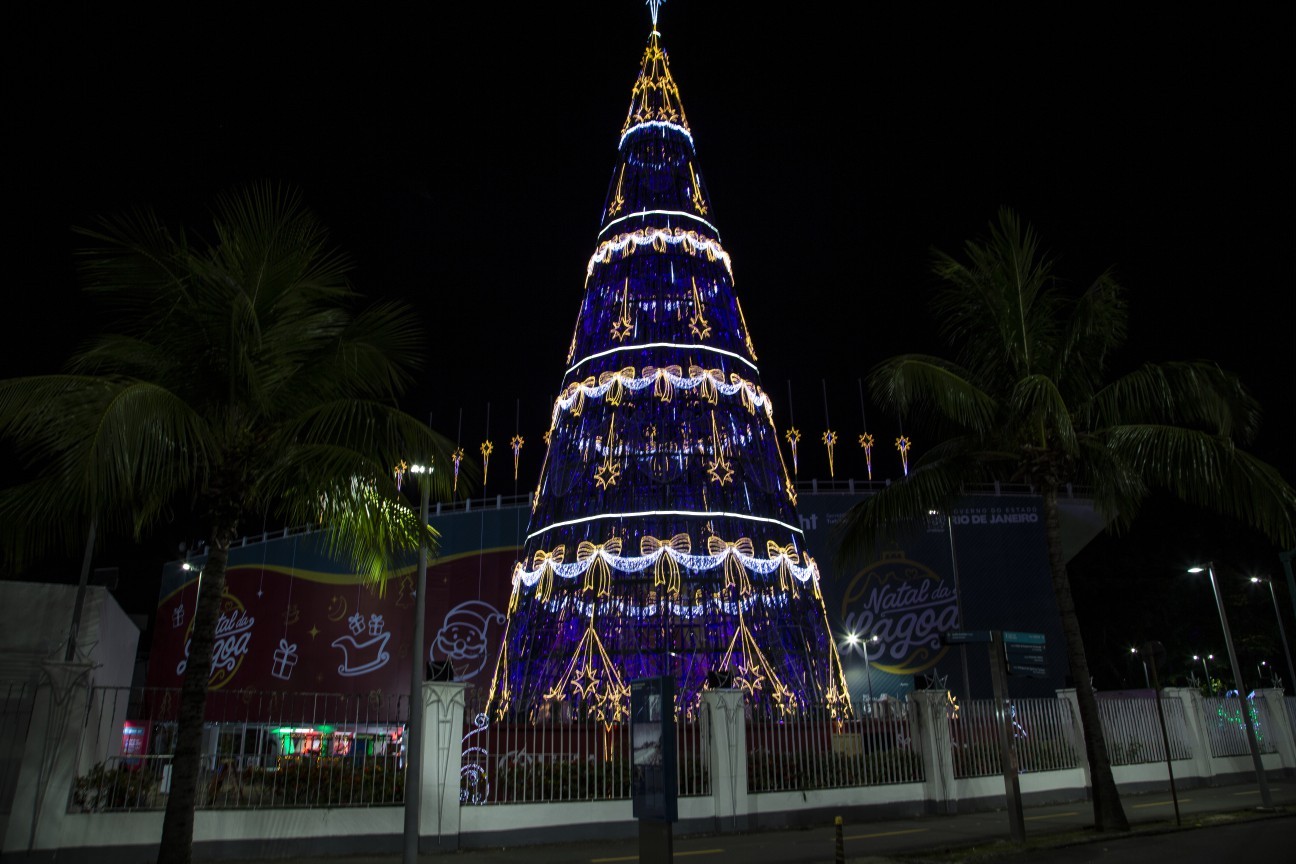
808 752
16 701
1226 728
1041 729
260 750
1132 730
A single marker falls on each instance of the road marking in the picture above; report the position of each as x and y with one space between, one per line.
1161 803
886 834
1052 816
677 855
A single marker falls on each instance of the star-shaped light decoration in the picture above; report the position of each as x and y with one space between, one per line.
902 444
793 436
586 683
830 441
719 470
698 203
516 443
866 441
457 457
487 448
622 327
605 476
399 470
700 327
749 678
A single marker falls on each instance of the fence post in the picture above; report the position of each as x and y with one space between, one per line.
1194 719
49 761
1280 729
443 710
725 733
1068 695
935 746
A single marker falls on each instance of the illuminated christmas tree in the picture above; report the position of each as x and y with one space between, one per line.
663 538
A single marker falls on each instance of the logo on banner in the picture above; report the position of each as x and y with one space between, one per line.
907 606
233 635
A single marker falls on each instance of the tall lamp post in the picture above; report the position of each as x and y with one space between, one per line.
1146 681
854 639
1203 658
414 733
1265 798
1282 632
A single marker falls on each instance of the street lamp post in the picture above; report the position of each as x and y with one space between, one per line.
1265 798
1146 681
1205 669
1282 631
414 733
853 639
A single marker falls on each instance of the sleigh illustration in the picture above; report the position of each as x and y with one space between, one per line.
359 658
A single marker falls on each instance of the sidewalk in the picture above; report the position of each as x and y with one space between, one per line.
927 838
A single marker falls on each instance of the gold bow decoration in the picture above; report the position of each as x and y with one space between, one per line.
663 387
814 575
515 597
745 390
735 572
707 388
598 577
666 569
545 562
787 555
576 393
616 383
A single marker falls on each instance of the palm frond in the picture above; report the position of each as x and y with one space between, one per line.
1194 393
1211 472
1040 409
920 380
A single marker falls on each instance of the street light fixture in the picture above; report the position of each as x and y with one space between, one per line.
1282 632
1265 798
853 638
1203 658
1146 681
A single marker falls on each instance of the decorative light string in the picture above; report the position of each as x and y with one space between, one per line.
687 514
665 381
692 243
639 214
646 345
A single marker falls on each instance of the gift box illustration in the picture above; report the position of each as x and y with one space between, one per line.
285 658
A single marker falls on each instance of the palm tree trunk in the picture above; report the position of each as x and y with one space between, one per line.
1108 813
177 823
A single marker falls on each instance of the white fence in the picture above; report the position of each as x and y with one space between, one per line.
327 754
1132 730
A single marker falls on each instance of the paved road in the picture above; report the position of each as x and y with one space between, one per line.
938 838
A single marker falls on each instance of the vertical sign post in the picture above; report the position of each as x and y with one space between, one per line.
653 777
1007 750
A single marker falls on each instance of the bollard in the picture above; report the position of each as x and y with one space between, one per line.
841 844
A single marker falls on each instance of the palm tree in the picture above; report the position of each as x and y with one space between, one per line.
1026 398
238 376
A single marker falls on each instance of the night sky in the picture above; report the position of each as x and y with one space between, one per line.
461 152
